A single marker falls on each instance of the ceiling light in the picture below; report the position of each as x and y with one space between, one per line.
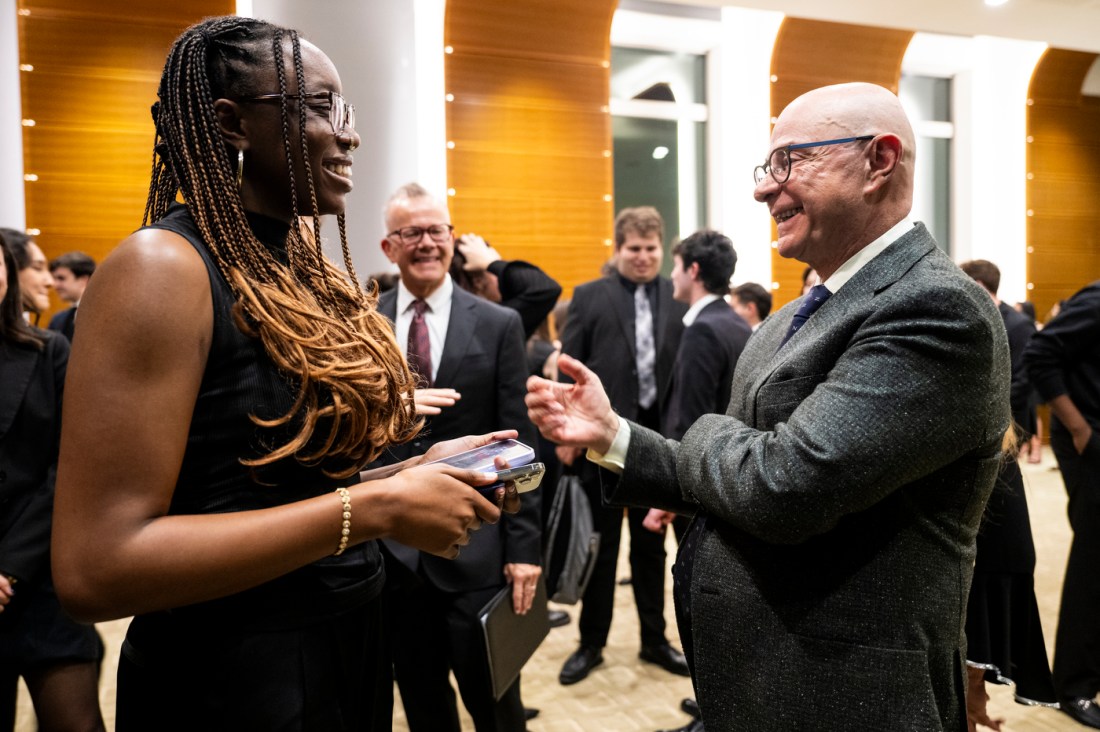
660 152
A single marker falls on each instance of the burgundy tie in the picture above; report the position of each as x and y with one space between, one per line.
419 349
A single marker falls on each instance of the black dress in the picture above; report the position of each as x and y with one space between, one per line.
35 632
301 652
1003 631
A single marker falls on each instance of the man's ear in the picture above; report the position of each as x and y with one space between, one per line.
387 247
883 158
693 272
230 124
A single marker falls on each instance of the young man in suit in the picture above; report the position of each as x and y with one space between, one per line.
455 340
71 273
824 578
626 327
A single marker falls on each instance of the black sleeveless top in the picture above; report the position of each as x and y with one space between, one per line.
239 381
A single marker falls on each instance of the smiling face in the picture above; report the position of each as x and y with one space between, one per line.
35 280
639 257
813 209
423 265
330 159
70 288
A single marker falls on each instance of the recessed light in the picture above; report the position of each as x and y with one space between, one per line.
995 3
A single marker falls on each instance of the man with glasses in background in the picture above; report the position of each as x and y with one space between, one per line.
823 581
454 340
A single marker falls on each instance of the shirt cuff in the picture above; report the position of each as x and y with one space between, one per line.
615 458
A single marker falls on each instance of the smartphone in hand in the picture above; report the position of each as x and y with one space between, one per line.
526 475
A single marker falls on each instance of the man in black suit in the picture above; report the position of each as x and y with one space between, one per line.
752 302
626 327
476 348
71 272
1063 361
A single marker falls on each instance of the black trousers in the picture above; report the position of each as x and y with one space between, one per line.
433 633
1077 644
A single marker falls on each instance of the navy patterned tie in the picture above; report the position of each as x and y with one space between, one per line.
645 350
814 299
419 349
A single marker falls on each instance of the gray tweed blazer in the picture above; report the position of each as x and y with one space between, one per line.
843 491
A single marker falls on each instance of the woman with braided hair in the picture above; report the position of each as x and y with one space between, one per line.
228 387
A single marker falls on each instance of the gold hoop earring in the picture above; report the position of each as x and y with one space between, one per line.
240 168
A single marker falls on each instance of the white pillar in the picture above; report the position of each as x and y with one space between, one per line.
390 57
13 212
740 134
990 152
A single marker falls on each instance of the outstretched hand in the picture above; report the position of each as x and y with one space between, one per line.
575 415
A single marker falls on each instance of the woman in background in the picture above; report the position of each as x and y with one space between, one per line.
229 385
35 280
58 658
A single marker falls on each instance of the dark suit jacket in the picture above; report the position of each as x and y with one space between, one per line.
1020 328
703 373
843 490
64 322
483 358
600 333
31 383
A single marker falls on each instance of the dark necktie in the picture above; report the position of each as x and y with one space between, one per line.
419 349
814 299
645 350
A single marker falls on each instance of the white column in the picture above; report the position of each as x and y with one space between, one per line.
13 213
740 133
390 57
990 151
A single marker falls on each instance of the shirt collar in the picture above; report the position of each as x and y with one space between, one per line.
856 262
438 301
697 307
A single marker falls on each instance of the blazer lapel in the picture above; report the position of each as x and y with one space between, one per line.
460 332
17 364
387 304
622 304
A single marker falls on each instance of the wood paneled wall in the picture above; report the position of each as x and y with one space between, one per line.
529 130
809 54
90 73
1063 179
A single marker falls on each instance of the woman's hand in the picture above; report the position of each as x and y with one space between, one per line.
6 591
434 508
447 448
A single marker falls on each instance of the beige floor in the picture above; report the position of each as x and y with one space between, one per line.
625 694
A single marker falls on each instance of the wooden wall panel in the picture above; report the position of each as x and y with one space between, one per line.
809 54
93 75
530 167
1063 186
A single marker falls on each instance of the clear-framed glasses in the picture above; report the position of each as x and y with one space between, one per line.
341 114
410 236
779 161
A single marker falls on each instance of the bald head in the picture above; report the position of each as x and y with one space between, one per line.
840 196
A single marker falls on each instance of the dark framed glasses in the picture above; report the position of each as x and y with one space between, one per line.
341 114
779 162
410 236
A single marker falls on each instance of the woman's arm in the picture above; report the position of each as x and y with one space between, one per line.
146 325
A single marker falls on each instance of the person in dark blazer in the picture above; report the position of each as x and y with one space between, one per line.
823 581
1063 361
71 273
477 349
58 658
602 330
515 284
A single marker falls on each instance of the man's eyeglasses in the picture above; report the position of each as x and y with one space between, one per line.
410 236
779 162
340 114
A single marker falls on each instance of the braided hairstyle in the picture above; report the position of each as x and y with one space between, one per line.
314 321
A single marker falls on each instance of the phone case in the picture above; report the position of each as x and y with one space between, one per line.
483 458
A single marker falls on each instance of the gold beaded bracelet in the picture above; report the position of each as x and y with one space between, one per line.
345 527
